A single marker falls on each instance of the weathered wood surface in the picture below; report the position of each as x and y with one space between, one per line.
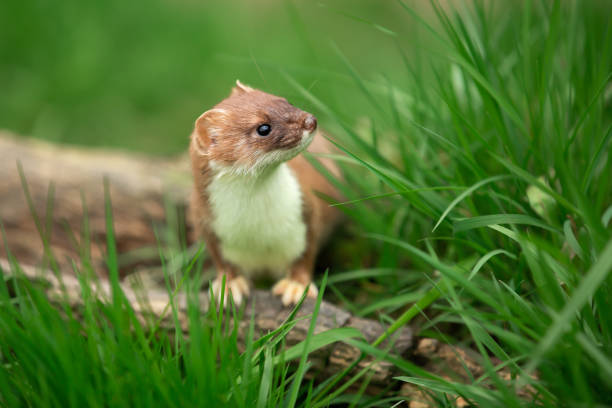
138 187
73 177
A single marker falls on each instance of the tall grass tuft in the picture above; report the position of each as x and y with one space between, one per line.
487 180
101 353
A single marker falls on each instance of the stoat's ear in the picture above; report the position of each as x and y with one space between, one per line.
240 89
209 125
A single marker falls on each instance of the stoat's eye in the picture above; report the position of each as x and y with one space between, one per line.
264 130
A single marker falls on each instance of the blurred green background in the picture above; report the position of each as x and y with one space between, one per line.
136 74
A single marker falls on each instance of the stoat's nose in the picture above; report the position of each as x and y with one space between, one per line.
310 123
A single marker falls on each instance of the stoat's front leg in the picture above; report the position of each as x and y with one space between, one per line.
291 288
235 284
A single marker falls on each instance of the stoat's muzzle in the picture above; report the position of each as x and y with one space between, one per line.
310 123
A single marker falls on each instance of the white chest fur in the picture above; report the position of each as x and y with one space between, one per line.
258 220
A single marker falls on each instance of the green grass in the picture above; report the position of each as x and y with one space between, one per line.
137 75
478 184
103 354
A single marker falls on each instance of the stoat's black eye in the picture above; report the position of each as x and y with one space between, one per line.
264 130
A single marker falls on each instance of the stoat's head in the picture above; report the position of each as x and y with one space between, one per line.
251 131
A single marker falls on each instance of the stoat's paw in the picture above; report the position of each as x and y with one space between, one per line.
291 291
238 287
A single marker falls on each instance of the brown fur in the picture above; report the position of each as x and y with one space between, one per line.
227 134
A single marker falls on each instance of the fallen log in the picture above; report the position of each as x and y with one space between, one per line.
63 182
62 186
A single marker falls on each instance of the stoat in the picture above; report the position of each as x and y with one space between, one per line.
255 199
